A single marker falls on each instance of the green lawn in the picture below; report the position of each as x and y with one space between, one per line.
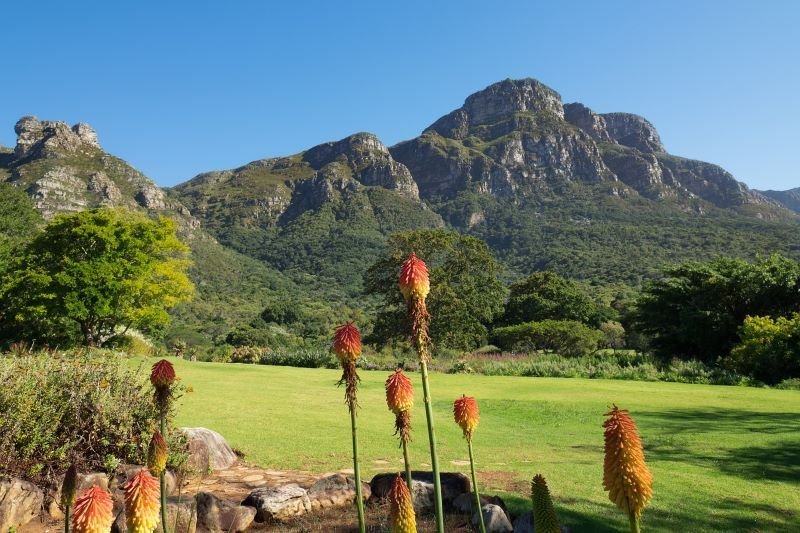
723 458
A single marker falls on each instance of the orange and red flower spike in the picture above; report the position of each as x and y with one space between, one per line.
157 454
466 415
401 510
142 504
347 343
399 392
413 279
93 512
626 477
162 374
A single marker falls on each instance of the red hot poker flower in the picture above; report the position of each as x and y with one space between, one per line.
347 343
399 392
465 413
93 512
413 279
142 503
157 454
162 374
625 475
401 508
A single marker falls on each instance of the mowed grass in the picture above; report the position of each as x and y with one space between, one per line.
723 458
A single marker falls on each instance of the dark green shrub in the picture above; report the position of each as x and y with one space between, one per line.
566 337
86 407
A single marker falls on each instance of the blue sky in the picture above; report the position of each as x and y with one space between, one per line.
177 88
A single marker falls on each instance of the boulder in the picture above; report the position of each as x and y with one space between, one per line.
335 490
454 484
217 515
464 503
279 503
208 450
494 518
20 502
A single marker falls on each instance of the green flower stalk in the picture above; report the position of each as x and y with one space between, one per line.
68 493
347 347
544 515
163 378
415 286
400 400
466 415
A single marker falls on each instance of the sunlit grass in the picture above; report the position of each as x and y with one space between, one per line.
723 458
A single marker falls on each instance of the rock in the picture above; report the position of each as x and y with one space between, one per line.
217 515
336 489
86 133
208 450
454 484
106 190
47 139
20 502
494 518
524 524
632 130
465 502
279 503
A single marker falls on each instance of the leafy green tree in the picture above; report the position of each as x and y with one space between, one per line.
769 349
696 309
93 275
548 296
466 292
565 337
19 221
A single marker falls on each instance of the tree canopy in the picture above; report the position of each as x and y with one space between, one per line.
466 292
89 277
696 309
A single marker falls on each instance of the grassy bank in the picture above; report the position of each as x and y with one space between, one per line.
724 458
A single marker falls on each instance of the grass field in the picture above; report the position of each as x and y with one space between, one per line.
723 458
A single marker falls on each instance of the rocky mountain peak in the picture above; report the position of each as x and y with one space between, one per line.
499 101
626 129
41 138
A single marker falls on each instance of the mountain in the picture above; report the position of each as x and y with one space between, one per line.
789 199
547 185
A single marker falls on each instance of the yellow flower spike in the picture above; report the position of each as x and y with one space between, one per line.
413 280
142 503
399 392
466 415
93 512
157 454
544 515
625 475
401 509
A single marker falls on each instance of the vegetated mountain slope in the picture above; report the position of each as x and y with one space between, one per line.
589 195
64 170
321 216
789 199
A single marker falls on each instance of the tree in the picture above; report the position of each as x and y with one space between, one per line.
466 293
769 350
19 221
565 337
93 275
548 296
696 309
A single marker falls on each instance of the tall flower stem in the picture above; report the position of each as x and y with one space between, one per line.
66 519
163 481
634 523
437 482
409 479
478 507
362 525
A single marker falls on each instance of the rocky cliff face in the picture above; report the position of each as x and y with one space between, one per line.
272 192
515 141
64 169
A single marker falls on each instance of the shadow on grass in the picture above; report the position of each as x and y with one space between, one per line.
776 461
712 420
